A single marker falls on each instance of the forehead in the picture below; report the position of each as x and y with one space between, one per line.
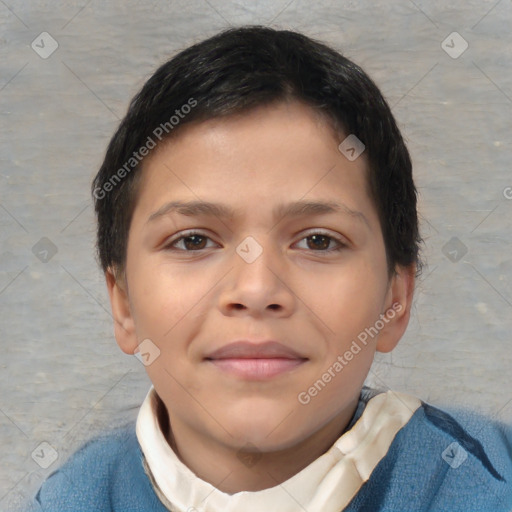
274 154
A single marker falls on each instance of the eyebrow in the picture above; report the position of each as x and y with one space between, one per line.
294 209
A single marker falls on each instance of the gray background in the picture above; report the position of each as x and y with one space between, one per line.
62 376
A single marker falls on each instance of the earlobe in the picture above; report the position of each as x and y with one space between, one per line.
124 326
398 308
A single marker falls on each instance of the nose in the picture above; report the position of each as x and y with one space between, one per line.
257 284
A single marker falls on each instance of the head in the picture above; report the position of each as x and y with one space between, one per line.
303 246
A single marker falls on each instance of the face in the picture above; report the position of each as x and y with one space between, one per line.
264 264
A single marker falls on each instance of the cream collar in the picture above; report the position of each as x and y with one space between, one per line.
328 484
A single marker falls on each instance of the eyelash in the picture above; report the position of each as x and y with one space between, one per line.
189 234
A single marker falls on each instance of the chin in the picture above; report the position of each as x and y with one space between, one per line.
268 431
259 440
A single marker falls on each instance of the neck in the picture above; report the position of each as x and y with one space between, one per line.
234 470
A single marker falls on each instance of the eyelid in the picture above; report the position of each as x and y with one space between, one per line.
320 231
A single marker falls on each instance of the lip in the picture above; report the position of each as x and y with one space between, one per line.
243 349
255 360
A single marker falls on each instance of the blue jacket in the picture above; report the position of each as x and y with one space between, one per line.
433 464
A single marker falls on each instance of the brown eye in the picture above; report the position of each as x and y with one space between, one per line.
194 242
191 241
321 242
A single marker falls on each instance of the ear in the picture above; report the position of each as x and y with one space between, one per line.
397 309
124 325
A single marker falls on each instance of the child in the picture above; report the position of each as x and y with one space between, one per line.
235 160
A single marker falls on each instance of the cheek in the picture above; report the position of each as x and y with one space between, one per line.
356 290
165 296
352 303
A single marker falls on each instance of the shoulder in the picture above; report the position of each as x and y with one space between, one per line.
106 474
444 459
486 440
473 457
486 444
